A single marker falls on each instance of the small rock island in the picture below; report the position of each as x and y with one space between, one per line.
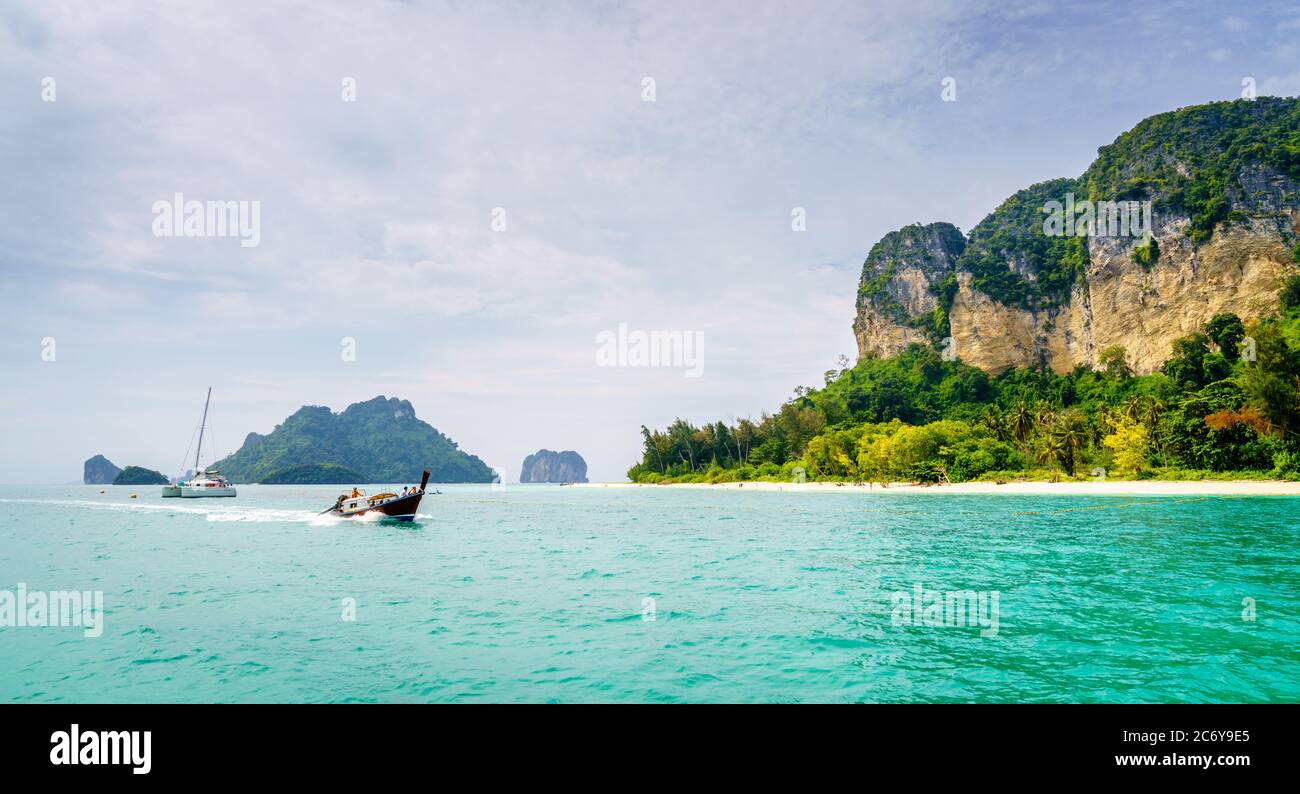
139 475
99 470
547 466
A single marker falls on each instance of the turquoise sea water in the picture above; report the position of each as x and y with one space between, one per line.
538 593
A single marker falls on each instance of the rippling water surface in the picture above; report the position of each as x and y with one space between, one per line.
539 593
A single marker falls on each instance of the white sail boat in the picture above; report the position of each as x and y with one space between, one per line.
203 482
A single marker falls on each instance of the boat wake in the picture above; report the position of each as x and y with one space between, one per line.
219 512
333 519
215 513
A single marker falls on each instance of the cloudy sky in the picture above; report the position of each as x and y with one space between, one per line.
377 215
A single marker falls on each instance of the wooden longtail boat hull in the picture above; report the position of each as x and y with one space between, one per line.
390 506
403 508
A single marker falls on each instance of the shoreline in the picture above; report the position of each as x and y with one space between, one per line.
1095 488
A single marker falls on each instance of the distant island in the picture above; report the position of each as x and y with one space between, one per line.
99 470
547 466
379 440
1141 321
139 475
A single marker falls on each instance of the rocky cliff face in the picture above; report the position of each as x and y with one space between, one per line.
99 470
547 466
1239 271
902 281
1225 221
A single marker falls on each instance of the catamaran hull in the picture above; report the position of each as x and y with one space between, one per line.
195 493
186 492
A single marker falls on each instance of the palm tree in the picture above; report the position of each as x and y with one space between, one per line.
1044 414
1151 414
1048 449
1020 420
994 420
1151 411
1106 419
1134 406
1070 432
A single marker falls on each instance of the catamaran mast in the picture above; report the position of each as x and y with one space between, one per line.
201 426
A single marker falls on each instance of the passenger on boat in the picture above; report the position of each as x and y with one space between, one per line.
404 494
355 493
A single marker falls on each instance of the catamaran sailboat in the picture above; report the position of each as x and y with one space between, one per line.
203 482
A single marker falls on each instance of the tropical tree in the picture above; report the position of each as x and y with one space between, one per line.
1020 420
996 422
1129 443
651 445
1290 297
1044 415
682 435
1114 362
1048 449
1184 365
1070 432
1134 407
1272 381
1226 331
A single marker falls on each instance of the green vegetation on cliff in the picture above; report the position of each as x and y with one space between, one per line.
1010 243
1192 160
931 248
1196 162
314 474
379 440
1291 294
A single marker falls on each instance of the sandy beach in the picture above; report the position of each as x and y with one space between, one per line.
1093 488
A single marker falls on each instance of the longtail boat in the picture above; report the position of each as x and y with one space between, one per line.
392 506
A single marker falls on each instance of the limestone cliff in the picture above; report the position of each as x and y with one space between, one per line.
99 470
1223 186
547 466
902 282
